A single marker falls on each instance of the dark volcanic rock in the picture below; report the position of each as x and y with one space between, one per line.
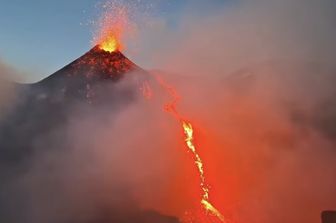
44 106
91 84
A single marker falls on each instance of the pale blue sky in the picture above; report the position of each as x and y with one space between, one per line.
41 36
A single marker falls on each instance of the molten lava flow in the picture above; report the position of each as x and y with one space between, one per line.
189 137
189 140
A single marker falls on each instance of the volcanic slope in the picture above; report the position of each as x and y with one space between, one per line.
43 106
37 122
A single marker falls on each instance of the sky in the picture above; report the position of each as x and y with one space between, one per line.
39 37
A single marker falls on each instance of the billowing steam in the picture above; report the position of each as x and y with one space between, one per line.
257 79
260 76
8 75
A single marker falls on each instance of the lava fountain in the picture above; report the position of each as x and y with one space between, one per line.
112 26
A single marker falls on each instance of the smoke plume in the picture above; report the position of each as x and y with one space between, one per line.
259 76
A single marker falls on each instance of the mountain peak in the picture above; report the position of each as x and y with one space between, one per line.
97 63
95 67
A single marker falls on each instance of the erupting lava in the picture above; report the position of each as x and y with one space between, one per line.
110 44
112 27
171 107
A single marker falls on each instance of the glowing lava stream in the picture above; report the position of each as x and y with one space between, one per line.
112 28
189 140
108 39
188 130
111 45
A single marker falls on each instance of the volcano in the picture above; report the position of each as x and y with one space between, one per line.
89 80
96 67
38 123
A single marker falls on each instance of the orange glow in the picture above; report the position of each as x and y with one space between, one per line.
189 138
110 44
112 27
188 130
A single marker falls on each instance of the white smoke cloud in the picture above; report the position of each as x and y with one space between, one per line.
259 75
